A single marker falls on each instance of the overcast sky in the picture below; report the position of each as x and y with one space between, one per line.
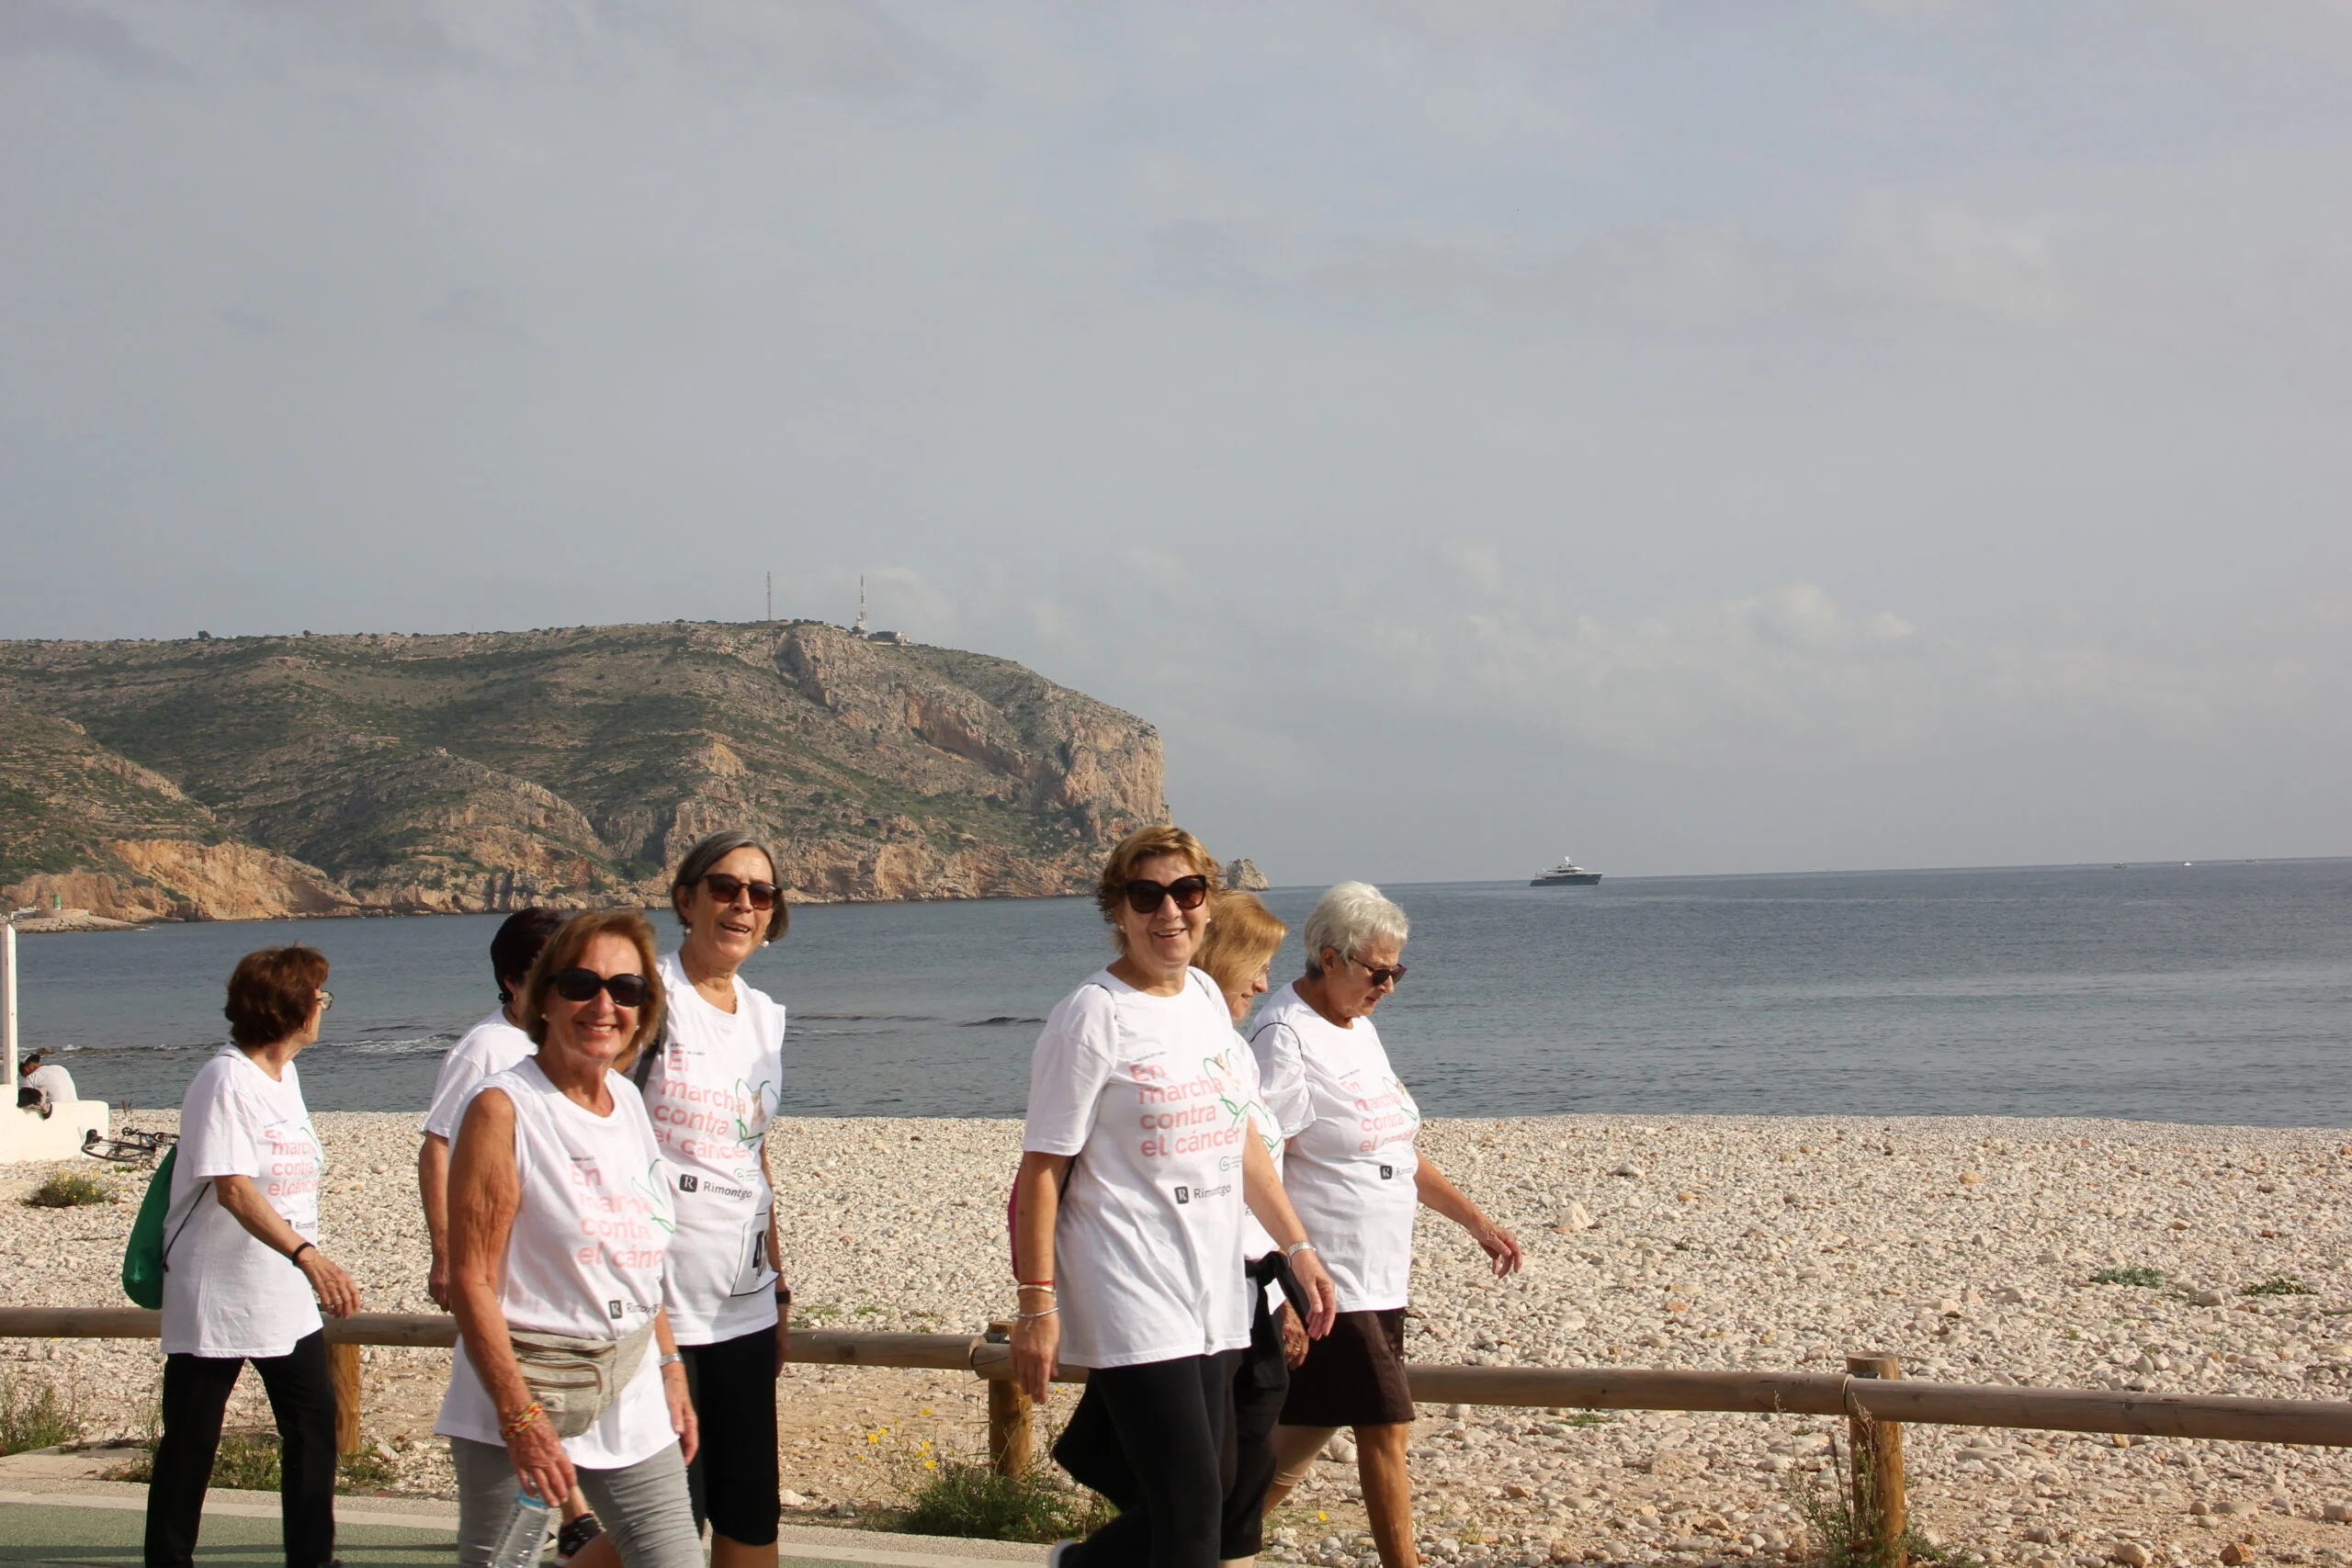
1704 437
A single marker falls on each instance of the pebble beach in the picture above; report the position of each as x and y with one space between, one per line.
1969 1247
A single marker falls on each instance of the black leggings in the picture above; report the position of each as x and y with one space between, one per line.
734 1481
196 1392
1162 1434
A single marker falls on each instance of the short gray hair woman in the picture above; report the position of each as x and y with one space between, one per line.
1356 1179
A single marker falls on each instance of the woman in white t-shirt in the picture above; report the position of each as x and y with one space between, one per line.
1356 1178
711 1088
244 1278
1139 1154
559 1221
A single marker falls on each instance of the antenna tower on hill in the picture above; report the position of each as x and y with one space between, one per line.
861 603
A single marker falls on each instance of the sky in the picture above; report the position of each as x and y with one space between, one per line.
1705 437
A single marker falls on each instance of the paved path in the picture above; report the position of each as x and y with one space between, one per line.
99 1526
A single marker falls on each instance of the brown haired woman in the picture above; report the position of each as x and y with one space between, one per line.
559 1223
1138 1156
244 1278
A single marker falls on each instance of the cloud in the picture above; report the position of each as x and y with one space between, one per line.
81 33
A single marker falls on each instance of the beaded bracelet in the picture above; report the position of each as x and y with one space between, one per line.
507 1430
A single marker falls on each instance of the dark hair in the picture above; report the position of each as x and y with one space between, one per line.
1159 839
271 993
518 941
707 853
562 952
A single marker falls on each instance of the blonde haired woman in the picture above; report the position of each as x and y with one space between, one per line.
1138 1156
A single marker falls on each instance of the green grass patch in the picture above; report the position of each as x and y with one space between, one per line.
69 1189
33 1415
248 1461
2278 1285
963 1496
2142 1277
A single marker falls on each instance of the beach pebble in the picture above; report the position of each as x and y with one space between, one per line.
2131 1554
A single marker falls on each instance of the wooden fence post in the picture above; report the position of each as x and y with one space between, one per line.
343 1368
1011 1425
1882 1514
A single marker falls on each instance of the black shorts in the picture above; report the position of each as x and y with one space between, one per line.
1354 1376
733 1479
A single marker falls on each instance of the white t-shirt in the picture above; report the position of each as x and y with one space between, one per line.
51 1080
490 1047
711 1088
1352 1126
1256 1240
227 1292
1146 1092
584 1258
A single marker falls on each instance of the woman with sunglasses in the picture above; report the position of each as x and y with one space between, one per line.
559 1220
1139 1154
1354 1172
711 1088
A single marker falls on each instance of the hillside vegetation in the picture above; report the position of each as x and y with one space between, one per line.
238 777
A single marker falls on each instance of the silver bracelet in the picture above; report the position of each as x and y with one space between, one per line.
1295 1249
1026 1316
671 1358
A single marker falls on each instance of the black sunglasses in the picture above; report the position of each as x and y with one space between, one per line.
724 887
1390 975
1144 895
579 985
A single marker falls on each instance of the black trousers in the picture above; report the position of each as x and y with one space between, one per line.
1157 1440
734 1480
196 1393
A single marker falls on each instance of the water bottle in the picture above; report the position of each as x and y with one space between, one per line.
526 1532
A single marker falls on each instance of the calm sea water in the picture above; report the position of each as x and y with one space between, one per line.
2218 993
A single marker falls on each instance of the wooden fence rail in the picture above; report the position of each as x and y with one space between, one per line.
1873 1394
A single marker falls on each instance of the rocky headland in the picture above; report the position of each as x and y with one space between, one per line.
240 778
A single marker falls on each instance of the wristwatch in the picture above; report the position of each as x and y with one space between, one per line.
784 1296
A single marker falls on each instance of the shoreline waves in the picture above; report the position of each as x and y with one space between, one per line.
1966 1245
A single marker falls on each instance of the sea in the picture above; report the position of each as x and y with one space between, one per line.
2217 992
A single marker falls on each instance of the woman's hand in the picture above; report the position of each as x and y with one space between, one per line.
1036 1354
1294 1340
1500 1246
1316 1281
682 1411
334 1288
540 1464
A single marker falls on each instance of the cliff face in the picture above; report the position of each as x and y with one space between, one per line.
236 778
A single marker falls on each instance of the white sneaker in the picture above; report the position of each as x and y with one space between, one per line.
1054 1553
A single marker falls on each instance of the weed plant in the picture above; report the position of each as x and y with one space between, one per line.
33 1415
69 1189
961 1495
1846 1531
2279 1285
2146 1279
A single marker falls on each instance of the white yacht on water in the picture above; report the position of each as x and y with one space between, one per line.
1567 873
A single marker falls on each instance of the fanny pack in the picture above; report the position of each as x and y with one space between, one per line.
575 1380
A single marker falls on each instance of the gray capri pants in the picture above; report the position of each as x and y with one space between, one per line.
643 1507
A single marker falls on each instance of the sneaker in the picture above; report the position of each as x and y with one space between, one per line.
574 1537
1054 1553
